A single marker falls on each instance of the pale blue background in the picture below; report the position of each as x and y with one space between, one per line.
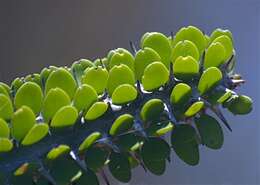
34 34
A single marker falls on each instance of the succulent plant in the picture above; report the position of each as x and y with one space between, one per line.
62 126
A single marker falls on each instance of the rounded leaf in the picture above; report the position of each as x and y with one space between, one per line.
155 75
160 44
228 45
143 58
6 145
122 124
96 111
55 99
210 131
209 79
155 167
192 34
215 55
96 77
24 96
6 107
194 108
36 133
185 48
152 109
219 32
185 68
3 90
119 75
64 117
62 79
119 95
180 94
240 105
185 144
22 121
90 140
120 56
84 97
4 129
7 88
58 151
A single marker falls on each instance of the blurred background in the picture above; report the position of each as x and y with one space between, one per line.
35 34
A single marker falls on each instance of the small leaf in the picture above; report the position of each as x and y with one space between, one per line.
62 79
87 178
219 32
194 108
240 105
119 167
180 94
122 124
210 131
54 100
4 129
152 109
96 77
119 95
155 75
155 167
24 96
96 110
143 58
84 97
5 145
6 107
3 90
185 144
160 44
58 151
185 48
64 117
215 55
22 121
160 129
209 79
185 68
91 139
36 133
228 45
119 75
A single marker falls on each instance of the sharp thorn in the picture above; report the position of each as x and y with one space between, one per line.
132 46
80 163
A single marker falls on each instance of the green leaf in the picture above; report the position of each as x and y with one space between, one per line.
120 56
215 55
119 167
155 149
96 77
58 151
90 140
194 108
160 128
3 90
4 129
62 79
35 134
219 32
24 96
160 44
180 94
129 142
54 100
228 45
96 111
84 97
22 121
119 75
155 75
85 178
152 109
210 131
96 157
122 124
6 107
155 167
192 34
7 88
6 145
184 143
119 95
185 48
209 79
16 84
240 105
143 58
185 68
64 117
